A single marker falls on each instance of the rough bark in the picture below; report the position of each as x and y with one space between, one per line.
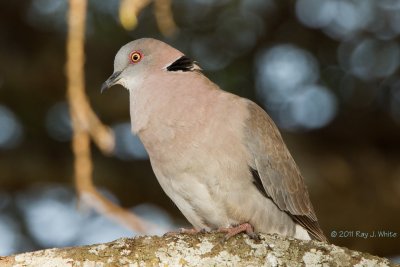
198 250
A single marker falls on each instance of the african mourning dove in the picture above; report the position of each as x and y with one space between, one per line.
218 156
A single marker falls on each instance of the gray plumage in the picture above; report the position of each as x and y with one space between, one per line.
219 157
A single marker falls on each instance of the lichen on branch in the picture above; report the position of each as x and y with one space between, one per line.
199 250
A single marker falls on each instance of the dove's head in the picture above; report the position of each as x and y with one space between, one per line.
139 59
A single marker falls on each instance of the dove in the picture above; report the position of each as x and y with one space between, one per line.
218 156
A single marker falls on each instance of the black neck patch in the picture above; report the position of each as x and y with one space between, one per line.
182 64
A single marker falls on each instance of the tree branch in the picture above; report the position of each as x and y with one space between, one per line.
199 250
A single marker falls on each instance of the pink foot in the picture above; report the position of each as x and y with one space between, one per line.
244 227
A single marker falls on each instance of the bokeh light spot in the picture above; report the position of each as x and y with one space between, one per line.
285 67
58 122
281 71
313 107
11 131
368 58
52 209
128 146
9 239
315 13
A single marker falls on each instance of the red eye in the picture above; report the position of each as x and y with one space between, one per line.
135 56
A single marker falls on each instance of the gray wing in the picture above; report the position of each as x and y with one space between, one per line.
279 175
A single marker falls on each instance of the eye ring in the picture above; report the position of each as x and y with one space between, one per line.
135 56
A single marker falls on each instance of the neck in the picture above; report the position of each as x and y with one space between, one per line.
169 98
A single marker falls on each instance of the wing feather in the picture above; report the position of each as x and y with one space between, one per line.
279 174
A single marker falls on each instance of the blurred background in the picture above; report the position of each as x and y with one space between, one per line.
327 71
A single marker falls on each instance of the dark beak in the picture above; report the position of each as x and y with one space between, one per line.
111 81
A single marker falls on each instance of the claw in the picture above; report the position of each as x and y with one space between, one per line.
203 231
232 231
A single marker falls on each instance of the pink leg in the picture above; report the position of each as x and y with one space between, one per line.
244 227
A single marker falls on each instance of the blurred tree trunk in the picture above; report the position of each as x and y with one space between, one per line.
199 250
